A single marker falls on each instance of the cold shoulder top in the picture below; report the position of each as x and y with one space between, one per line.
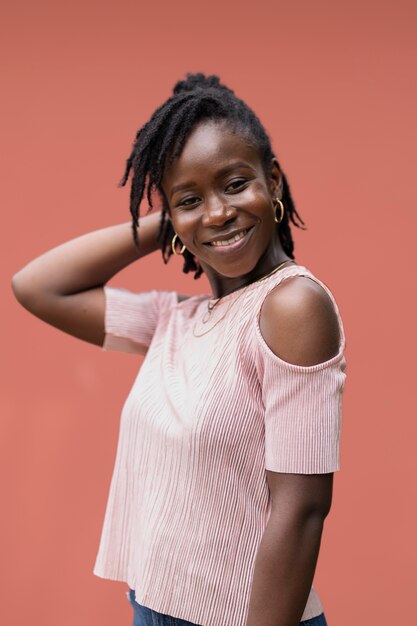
206 416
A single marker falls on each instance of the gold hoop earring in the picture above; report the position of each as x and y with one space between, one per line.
281 206
173 246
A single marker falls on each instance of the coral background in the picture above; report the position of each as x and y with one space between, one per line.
334 84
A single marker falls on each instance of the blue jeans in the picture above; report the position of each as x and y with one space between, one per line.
142 616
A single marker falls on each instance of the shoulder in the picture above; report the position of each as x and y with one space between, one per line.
299 323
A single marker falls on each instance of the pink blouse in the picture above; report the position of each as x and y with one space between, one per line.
189 500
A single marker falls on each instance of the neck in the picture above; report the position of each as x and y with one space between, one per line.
224 285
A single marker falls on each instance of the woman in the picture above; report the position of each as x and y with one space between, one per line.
230 435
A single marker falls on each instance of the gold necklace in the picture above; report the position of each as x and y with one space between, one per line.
242 292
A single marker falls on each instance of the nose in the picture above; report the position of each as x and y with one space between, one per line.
217 211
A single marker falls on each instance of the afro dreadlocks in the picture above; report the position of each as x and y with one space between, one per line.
160 141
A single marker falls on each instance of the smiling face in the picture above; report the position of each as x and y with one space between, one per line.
217 190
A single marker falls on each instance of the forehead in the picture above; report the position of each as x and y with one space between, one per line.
211 146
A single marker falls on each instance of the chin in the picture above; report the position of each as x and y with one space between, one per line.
236 269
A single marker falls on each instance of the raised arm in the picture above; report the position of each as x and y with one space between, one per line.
64 286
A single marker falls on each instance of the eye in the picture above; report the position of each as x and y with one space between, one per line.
239 182
187 201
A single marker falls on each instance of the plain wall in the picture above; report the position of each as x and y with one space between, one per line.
334 85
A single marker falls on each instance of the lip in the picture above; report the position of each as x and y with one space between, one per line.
236 245
228 236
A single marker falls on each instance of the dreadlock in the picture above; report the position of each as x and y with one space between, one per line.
160 141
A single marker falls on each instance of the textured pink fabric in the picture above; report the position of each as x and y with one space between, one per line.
189 500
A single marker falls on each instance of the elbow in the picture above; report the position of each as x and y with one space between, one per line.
17 287
22 289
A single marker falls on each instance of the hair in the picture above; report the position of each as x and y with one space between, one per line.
161 140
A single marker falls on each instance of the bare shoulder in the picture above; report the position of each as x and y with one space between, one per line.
299 322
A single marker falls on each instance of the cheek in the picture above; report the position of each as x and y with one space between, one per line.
184 223
258 197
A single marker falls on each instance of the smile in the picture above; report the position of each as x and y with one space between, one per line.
234 243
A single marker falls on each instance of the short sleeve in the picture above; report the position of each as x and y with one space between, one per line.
303 410
131 318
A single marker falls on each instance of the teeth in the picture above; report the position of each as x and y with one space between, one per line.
229 241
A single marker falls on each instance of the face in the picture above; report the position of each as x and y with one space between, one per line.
217 191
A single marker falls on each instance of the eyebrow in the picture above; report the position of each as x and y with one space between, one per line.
223 170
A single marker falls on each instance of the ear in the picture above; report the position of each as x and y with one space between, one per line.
164 202
275 180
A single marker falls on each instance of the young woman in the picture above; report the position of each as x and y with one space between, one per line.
230 435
